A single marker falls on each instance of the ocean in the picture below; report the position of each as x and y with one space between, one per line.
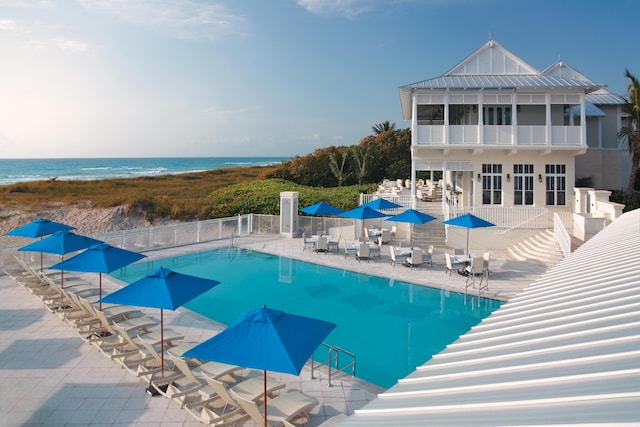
23 170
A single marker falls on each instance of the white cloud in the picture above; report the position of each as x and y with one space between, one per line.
40 36
182 19
346 8
70 45
7 25
27 4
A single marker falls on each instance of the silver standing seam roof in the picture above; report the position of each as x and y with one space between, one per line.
565 351
492 66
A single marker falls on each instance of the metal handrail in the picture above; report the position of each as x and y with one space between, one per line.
331 351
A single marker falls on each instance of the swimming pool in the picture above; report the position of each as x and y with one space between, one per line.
390 326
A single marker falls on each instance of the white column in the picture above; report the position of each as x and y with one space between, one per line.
583 121
549 132
514 118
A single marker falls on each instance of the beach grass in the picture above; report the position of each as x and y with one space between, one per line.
184 194
216 193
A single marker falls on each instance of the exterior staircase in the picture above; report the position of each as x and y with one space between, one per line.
542 247
431 233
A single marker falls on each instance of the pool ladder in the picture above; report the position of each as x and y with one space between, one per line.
333 361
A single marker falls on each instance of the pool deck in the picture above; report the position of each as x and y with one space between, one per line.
50 376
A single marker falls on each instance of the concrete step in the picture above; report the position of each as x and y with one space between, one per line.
541 247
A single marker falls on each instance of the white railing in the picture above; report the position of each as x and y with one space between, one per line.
463 134
500 135
562 235
188 233
516 217
405 200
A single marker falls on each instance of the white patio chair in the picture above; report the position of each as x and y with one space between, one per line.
415 260
363 252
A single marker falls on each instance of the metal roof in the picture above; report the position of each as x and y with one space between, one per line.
499 82
603 97
590 110
565 351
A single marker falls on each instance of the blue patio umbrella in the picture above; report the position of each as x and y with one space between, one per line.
321 208
161 288
363 212
100 258
38 228
266 339
468 221
381 204
61 243
412 216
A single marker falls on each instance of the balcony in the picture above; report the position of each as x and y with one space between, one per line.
561 136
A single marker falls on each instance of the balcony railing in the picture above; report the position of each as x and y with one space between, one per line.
499 135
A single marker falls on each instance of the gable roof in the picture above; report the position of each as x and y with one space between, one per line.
492 66
492 59
565 351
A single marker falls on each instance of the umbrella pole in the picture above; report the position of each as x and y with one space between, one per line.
162 341
100 291
467 241
265 399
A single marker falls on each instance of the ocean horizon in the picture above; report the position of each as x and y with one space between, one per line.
13 171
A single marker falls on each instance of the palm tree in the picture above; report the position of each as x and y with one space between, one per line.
337 162
631 133
360 157
383 127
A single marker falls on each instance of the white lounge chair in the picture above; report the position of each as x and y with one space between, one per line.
290 407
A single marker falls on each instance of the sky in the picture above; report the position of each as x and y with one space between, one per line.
209 78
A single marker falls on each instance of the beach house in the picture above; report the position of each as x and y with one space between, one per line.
505 134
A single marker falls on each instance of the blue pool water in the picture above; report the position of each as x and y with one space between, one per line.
391 326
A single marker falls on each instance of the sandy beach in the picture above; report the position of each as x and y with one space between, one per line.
87 220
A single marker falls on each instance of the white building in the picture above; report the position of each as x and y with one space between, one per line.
507 135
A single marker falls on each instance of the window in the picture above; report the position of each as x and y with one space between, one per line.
523 184
463 114
431 114
491 184
555 182
499 115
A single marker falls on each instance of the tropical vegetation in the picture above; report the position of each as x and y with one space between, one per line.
630 133
336 175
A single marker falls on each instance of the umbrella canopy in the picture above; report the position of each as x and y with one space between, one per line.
100 258
61 243
321 208
381 204
412 216
363 212
162 288
468 221
38 228
266 339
